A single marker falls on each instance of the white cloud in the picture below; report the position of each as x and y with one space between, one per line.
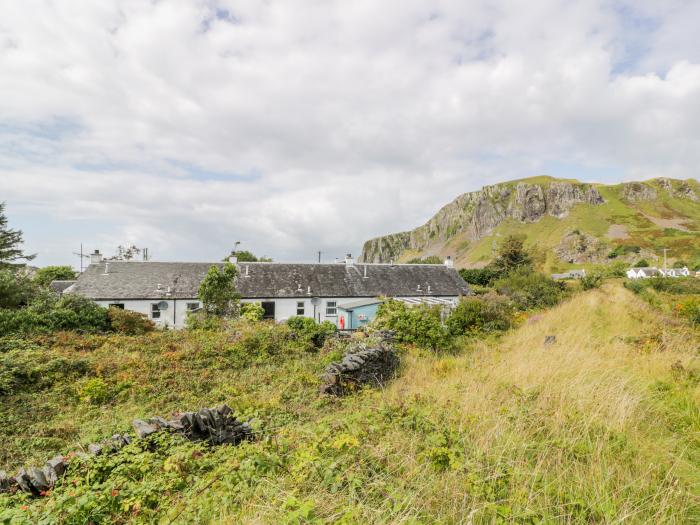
303 125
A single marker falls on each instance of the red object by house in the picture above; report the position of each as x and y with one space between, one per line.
342 322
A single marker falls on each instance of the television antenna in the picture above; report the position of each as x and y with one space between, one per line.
82 256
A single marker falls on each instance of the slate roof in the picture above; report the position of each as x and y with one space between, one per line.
140 280
59 286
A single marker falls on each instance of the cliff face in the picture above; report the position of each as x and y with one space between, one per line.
475 215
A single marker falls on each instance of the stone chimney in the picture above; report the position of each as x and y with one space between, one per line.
96 258
348 260
449 263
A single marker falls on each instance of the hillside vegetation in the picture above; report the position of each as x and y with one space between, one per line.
570 224
601 426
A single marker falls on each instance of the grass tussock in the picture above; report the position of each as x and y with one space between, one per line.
603 426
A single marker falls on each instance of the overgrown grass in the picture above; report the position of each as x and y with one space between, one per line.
602 426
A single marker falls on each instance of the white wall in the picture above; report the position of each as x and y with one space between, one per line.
176 313
174 316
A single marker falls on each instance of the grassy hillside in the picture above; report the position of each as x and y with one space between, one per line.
671 219
602 426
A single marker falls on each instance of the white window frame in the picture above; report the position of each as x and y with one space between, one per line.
331 311
301 307
155 311
191 307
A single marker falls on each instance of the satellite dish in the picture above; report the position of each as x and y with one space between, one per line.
163 305
315 301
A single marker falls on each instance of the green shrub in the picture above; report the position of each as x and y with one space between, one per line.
252 311
641 263
480 276
16 289
430 259
635 285
128 322
420 325
44 276
306 329
690 310
591 280
489 313
531 290
201 321
46 315
94 391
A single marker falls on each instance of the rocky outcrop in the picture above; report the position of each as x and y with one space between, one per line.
373 365
638 191
216 426
477 214
577 248
679 189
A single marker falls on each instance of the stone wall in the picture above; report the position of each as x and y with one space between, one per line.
363 364
216 426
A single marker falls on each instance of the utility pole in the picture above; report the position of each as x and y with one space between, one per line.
319 256
82 256
665 250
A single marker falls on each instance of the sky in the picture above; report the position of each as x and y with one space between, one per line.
297 126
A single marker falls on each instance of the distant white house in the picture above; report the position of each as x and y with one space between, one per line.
167 291
676 272
646 273
643 273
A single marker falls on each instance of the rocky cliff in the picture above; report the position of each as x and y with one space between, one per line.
569 222
477 213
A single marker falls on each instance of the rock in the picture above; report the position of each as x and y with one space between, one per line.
577 248
95 449
23 481
6 482
638 191
550 340
58 464
143 429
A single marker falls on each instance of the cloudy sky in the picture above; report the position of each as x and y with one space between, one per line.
297 126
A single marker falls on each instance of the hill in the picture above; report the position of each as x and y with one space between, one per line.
569 224
601 426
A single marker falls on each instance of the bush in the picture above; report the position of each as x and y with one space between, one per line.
128 322
489 313
531 290
591 280
480 276
641 263
252 311
201 321
306 329
690 309
94 391
44 276
71 312
16 289
419 325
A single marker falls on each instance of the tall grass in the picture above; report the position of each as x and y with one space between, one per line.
602 426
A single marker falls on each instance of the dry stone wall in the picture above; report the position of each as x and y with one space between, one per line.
374 365
216 426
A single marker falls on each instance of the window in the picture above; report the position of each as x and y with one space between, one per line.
117 305
191 307
331 308
300 307
155 311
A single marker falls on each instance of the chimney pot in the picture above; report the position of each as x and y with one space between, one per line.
348 259
448 262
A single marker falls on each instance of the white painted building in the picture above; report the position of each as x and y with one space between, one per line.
166 292
642 273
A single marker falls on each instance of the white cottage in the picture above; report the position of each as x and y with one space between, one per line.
167 291
642 273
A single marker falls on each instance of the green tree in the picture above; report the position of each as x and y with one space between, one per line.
642 263
45 275
247 256
10 242
512 255
16 288
218 291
